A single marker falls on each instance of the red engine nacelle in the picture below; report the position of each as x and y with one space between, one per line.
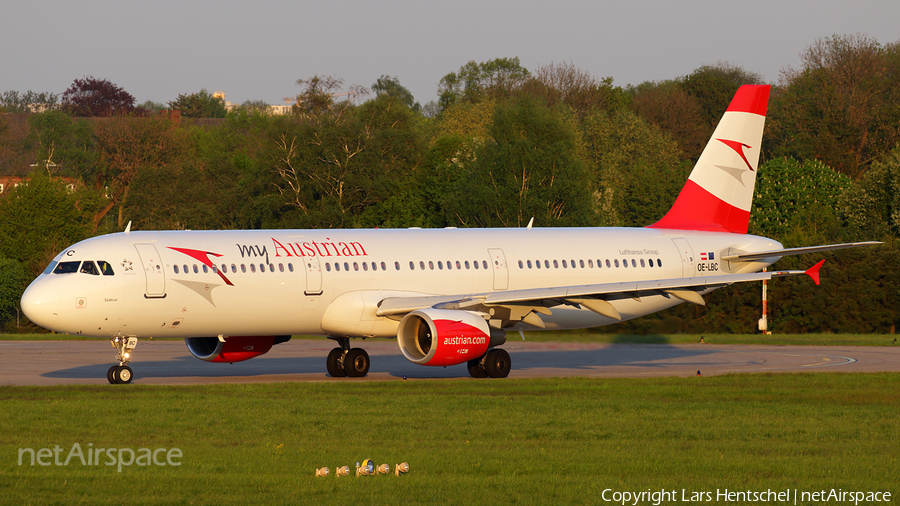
441 337
234 349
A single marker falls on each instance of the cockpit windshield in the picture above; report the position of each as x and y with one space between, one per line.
87 267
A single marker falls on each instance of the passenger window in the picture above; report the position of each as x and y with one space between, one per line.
467 265
205 269
233 268
356 266
591 264
195 269
337 267
412 266
659 262
521 265
252 267
633 262
642 263
616 262
106 268
327 267
243 269
440 265
537 263
384 266
607 262
528 262
291 267
397 266
555 264
281 267
365 266
176 269
546 264
88 267
484 263
581 263
346 267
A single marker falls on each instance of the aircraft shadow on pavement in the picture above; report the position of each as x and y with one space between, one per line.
565 361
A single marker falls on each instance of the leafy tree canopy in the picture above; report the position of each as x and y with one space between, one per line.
199 105
94 97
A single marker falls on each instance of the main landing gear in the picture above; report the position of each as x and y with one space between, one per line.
121 373
493 364
345 361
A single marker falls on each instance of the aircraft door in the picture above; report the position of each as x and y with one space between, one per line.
501 273
313 275
687 257
152 266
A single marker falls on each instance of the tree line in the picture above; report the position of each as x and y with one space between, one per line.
502 144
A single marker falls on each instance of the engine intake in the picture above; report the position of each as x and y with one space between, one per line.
440 337
234 349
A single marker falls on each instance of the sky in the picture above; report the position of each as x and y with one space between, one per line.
156 50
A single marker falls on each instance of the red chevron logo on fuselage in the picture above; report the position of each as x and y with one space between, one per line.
203 258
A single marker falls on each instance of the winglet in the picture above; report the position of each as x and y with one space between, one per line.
813 271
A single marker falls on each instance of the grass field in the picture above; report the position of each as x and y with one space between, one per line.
587 336
541 441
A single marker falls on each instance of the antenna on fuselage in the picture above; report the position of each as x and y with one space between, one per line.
530 223
128 228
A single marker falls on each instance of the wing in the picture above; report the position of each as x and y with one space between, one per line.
528 305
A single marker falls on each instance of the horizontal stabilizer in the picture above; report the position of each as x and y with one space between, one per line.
778 253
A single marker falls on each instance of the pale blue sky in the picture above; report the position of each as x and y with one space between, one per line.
257 50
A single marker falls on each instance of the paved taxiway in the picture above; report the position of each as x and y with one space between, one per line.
169 362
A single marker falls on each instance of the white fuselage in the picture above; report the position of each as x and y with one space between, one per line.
287 282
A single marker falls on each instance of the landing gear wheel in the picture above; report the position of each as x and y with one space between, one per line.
111 375
497 364
475 369
124 374
356 363
333 363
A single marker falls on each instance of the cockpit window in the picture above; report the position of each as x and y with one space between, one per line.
105 268
66 267
88 267
50 267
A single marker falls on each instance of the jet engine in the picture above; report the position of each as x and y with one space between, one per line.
233 349
441 337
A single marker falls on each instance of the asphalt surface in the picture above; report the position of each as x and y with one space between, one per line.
170 363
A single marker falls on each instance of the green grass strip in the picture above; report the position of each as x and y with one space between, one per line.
538 441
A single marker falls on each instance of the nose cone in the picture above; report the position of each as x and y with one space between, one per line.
41 303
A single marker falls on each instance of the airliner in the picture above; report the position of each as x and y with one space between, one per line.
448 296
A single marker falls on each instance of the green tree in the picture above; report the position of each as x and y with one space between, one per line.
13 280
567 84
670 108
60 143
40 217
872 206
622 148
791 195
842 107
495 79
199 105
387 85
532 165
713 87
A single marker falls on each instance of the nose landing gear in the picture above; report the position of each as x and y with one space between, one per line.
121 374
